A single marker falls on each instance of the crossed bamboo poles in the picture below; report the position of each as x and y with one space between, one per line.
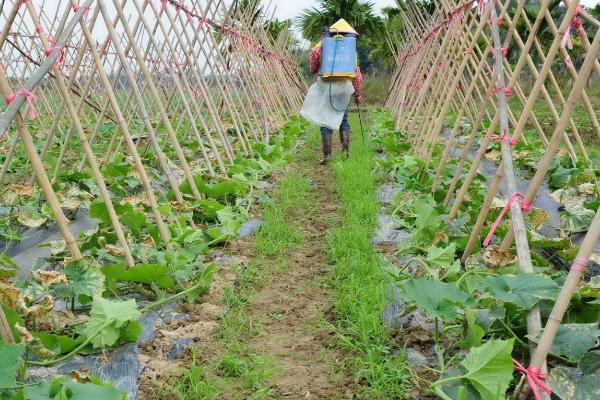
421 102
159 67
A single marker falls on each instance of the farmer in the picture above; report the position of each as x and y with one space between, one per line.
315 57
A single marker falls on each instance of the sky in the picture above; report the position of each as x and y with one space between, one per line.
290 9
286 9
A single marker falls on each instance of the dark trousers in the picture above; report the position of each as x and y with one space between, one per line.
344 126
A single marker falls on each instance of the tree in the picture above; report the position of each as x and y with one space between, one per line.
275 27
595 11
384 48
359 14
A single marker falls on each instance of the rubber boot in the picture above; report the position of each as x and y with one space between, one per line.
345 141
327 145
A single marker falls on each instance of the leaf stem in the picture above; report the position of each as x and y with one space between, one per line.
87 341
518 388
447 380
169 299
440 393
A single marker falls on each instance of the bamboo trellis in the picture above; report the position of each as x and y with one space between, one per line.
160 74
455 61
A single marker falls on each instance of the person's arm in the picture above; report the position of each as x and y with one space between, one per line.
358 84
314 59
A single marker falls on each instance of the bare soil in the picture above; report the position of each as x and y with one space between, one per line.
293 309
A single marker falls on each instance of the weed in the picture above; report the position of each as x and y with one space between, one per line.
232 365
359 281
277 233
194 384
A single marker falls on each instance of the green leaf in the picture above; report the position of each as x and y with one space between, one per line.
13 318
59 344
209 208
203 281
154 274
575 217
489 368
441 257
474 333
9 363
224 189
574 340
128 215
426 223
487 316
84 278
98 210
62 388
436 298
8 268
116 170
228 229
561 176
577 384
108 319
132 331
524 290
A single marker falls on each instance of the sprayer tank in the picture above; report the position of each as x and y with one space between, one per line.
338 59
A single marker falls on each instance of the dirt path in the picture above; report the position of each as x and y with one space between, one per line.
274 340
293 306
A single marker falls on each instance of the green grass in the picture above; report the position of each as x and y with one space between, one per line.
359 281
580 115
194 383
277 233
375 89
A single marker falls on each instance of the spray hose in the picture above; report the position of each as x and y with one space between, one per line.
330 96
331 79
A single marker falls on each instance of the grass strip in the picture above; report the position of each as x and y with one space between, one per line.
240 371
359 281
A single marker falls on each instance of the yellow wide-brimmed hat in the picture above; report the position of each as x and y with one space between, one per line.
342 27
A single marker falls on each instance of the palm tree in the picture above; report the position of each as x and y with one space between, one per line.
385 47
359 14
275 27
595 11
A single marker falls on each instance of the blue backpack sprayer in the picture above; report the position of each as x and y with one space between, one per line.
338 61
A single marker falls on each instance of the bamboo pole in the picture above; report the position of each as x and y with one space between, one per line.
61 221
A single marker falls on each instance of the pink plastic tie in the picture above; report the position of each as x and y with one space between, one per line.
515 197
39 29
49 50
580 264
164 4
568 62
30 97
504 138
481 6
77 7
574 23
507 91
535 379
502 50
